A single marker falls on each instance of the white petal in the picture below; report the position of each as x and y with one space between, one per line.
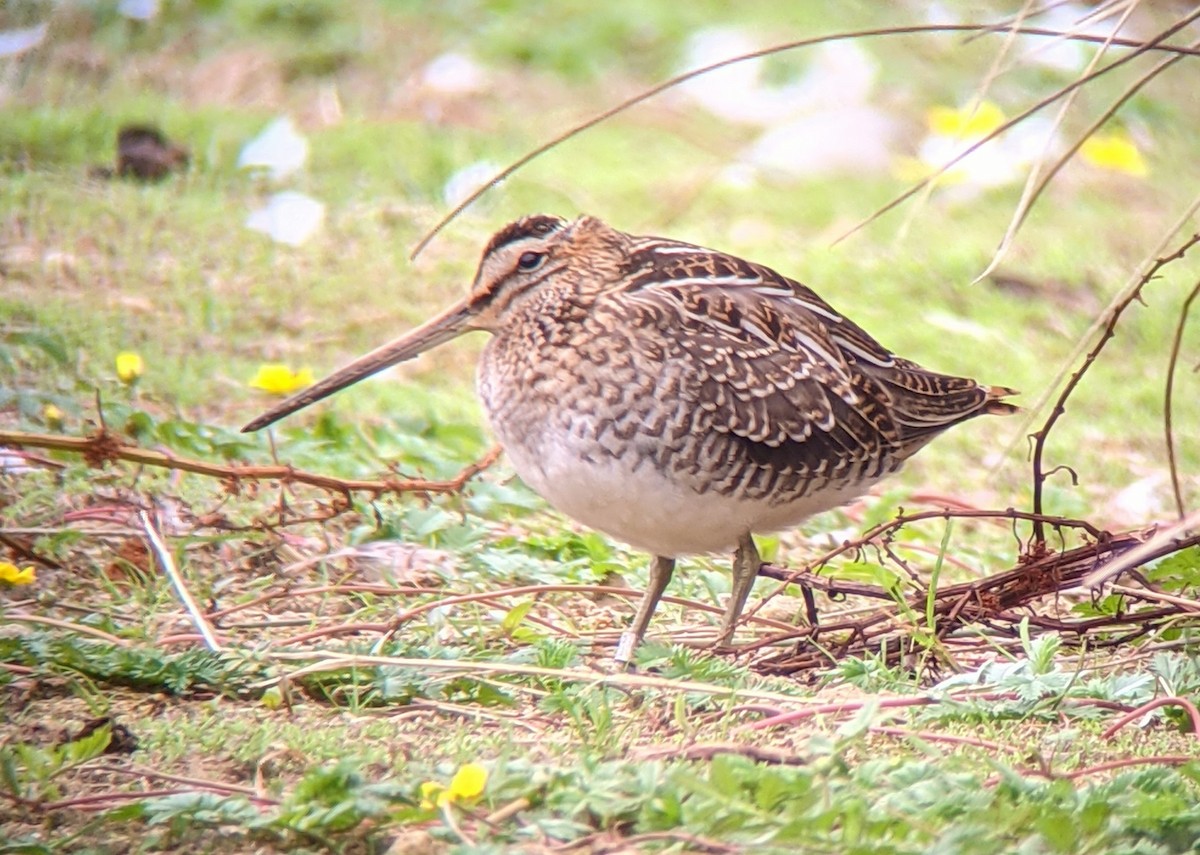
13 463
1068 56
735 92
16 42
467 180
837 76
840 75
288 217
849 139
139 10
454 74
1140 502
279 149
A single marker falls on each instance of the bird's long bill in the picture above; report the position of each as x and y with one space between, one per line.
447 325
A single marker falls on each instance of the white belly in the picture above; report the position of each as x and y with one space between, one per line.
636 503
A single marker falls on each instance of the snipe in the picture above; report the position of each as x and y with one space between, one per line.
675 397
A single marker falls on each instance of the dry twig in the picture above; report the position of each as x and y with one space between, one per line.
167 563
998 602
1155 43
1168 397
104 446
1060 405
1133 715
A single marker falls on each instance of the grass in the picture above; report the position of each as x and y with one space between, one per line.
317 724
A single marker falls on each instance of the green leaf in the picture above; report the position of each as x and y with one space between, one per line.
8 772
1178 571
50 343
89 747
858 726
865 573
515 615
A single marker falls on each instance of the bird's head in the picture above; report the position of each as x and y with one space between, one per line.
519 262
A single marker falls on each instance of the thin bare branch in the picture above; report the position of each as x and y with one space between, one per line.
1164 541
328 660
1139 46
1037 181
997 603
1168 398
1102 11
167 563
709 750
1062 92
1131 286
199 783
1127 762
1133 715
1188 605
103 447
70 626
1112 317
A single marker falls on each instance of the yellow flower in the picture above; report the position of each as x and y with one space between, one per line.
272 698
971 122
10 574
467 784
130 367
912 169
277 379
430 790
52 416
1114 152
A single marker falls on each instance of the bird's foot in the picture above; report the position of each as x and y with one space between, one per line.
623 658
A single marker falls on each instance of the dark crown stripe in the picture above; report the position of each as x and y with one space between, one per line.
538 225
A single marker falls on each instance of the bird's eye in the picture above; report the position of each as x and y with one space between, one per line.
530 261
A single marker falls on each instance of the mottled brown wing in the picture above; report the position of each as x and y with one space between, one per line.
774 364
757 359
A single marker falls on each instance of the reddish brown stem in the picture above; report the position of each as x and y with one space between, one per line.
1173 701
104 446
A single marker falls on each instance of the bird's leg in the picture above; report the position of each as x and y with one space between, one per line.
746 562
660 574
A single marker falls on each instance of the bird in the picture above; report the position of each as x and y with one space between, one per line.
675 397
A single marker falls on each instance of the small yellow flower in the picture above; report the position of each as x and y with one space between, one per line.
272 698
277 379
10 574
52 416
971 122
912 169
1114 152
431 794
467 784
130 367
